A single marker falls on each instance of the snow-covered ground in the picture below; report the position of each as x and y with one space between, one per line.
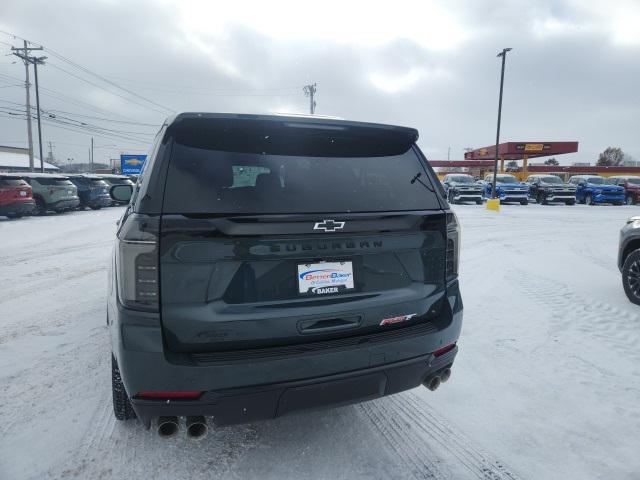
546 384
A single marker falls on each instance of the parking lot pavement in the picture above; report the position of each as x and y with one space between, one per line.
545 385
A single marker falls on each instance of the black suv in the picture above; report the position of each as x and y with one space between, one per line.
268 264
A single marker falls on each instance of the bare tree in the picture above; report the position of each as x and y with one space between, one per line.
611 157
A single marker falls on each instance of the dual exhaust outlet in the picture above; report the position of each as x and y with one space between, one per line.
432 383
196 427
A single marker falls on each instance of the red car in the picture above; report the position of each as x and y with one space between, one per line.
631 186
16 197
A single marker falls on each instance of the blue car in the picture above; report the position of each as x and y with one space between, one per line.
508 189
592 190
92 190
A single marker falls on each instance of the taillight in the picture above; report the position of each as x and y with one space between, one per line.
443 350
453 246
137 262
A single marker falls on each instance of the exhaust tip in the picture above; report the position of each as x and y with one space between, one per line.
197 427
167 426
445 375
432 384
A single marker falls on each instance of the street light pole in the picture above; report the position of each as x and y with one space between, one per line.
502 54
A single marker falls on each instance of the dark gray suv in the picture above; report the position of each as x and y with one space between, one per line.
267 265
629 258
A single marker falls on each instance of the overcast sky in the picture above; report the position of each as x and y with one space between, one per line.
573 74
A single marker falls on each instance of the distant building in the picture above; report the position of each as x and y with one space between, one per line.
580 164
14 159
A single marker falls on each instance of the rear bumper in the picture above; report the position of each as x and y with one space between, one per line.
64 204
243 390
23 207
250 404
101 201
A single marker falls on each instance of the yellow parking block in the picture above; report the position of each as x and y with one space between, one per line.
493 204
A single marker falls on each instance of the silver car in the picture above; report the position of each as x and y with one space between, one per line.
629 258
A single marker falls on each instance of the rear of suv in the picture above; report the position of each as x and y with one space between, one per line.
52 192
267 265
16 198
93 191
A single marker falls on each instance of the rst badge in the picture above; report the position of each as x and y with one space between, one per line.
398 319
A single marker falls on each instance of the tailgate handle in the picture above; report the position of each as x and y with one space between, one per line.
328 324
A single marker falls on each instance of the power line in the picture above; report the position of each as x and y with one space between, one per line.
106 89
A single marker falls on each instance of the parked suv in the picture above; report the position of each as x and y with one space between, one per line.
508 188
546 188
631 185
52 192
629 259
112 180
93 191
270 264
592 189
16 198
462 188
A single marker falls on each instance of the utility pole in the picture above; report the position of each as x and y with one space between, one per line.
91 155
449 154
502 54
24 55
310 91
38 61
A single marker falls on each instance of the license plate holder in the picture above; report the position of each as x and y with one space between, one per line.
324 278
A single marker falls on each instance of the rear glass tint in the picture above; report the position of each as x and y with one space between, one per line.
207 181
60 182
11 182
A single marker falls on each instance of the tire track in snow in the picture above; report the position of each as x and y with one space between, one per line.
569 310
416 433
402 439
451 440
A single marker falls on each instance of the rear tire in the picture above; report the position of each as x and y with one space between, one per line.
524 202
122 408
479 202
97 207
541 198
631 277
630 200
571 202
41 207
13 216
451 200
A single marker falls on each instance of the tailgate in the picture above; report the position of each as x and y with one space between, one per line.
233 283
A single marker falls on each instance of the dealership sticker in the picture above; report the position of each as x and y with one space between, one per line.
325 277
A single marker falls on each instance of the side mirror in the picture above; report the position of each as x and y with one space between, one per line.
121 193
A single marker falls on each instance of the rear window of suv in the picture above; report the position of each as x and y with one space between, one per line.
208 181
61 182
11 182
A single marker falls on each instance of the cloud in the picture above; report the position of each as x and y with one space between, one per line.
427 64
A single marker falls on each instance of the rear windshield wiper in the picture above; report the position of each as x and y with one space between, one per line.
417 179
